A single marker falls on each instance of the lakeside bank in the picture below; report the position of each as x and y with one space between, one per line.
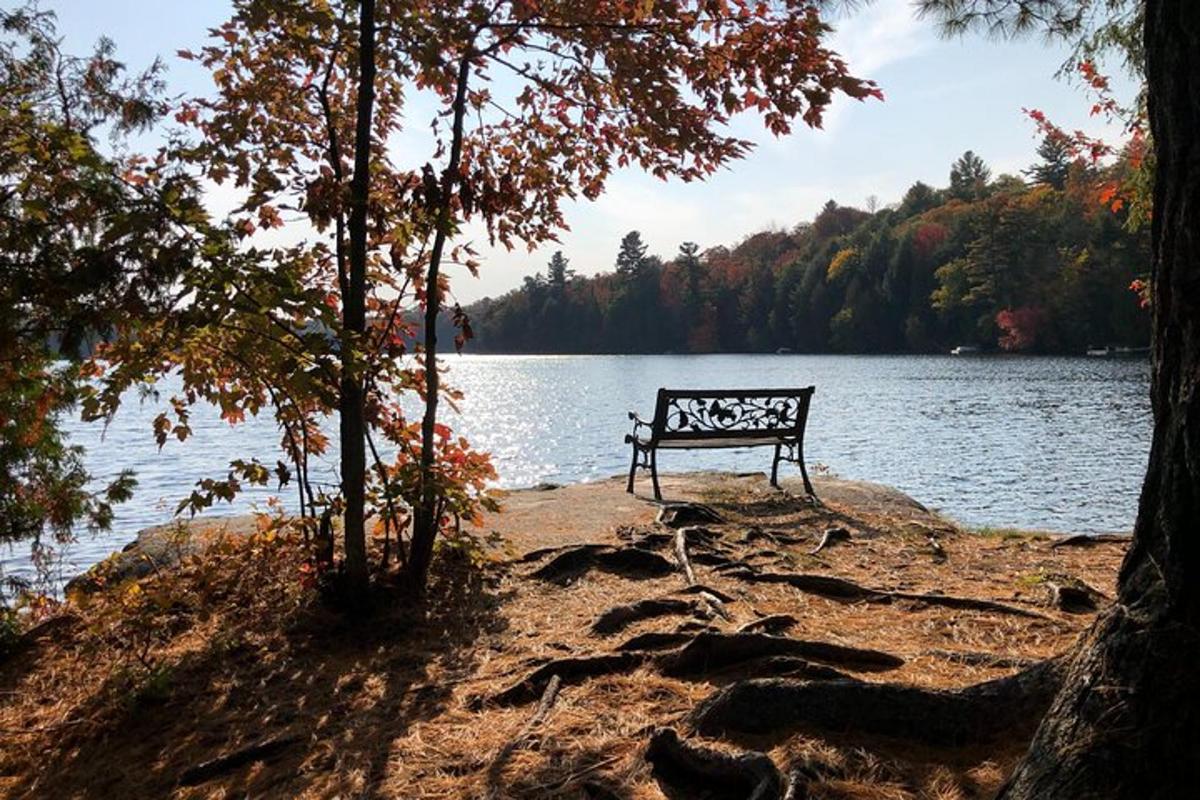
429 700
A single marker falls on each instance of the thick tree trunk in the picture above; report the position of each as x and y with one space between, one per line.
352 424
1127 721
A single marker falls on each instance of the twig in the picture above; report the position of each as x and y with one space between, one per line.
543 710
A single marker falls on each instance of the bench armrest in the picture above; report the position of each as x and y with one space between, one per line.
638 422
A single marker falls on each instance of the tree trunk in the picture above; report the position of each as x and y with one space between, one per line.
352 424
1127 721
425 516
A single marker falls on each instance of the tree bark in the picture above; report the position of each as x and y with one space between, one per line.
352 428
1127 722
425 516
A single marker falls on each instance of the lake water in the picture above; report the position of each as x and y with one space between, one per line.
1049 443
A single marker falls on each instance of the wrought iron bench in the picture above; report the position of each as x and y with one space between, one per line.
690 419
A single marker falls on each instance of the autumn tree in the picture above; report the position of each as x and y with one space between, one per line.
91 233
535 104
1124 722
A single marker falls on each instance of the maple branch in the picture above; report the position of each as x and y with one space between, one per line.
302 481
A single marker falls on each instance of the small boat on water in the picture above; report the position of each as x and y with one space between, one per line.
965 350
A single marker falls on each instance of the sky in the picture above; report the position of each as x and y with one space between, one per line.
942 97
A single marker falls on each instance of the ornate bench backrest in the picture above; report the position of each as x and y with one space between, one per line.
730 413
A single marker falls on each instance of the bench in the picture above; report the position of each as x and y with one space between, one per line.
691 419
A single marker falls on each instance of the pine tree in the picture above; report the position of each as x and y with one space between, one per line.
558 271
632 255
1055 163
969 177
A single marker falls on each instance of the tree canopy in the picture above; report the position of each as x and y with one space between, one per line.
1033 268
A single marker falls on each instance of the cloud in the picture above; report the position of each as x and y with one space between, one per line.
879 35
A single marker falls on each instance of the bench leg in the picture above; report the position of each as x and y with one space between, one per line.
775 467
654 473
804 472
633 464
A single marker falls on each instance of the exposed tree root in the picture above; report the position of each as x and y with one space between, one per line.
618 618
780 667
538 555
549 695
656 640
841 589
821 585
975 714
701 654
715 606
772 623
700 588
831 537
629 561
975 659
568 670
712 651
1074 596
969 603
215 767
681 555
688 771
776 538
1089 539
677 515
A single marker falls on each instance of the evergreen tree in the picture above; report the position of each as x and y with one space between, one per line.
969 177
1055 163
631 256
689 264
558 271
919 198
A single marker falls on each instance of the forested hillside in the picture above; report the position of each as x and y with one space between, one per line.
1041 263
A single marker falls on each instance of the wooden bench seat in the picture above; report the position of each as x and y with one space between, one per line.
692 419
